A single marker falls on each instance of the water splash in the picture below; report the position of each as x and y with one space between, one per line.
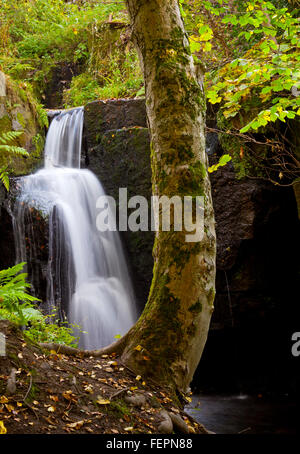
87 275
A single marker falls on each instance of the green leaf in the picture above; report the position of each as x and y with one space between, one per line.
222 162
4 178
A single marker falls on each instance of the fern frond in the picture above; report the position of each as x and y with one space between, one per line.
9 136
7 274
13 293
14 150
4 178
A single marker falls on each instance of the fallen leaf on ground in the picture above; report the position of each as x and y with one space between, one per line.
3 429
76 425
101 401
70 396
51 409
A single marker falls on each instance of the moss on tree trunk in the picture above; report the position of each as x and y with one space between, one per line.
167 341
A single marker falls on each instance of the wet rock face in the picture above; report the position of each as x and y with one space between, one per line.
117 151
120 161
60 80
36 240
101 116
7 255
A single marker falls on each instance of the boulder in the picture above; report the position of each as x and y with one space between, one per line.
137 400
166 425
179 424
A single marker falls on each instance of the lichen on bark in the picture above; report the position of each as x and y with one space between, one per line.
167 341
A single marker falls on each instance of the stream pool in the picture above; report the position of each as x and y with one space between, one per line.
233 414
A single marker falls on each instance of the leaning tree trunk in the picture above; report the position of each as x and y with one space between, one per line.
167 341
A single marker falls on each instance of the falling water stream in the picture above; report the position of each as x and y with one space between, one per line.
86 273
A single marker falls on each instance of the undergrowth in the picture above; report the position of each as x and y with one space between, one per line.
37 37
19 307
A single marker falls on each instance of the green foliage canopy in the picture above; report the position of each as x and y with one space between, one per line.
263 60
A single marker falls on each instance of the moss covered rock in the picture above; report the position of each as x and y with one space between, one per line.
20 112
122 160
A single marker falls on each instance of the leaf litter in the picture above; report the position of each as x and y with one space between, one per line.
62 394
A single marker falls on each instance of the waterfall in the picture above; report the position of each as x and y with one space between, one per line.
87 275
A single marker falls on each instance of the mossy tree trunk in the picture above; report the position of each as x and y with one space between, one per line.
167 341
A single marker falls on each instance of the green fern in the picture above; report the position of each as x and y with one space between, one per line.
7 148
9 136
13 292
4 177
17 306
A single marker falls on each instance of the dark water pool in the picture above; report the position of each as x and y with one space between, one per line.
233 414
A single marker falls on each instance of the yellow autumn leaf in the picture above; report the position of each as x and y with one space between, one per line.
76 425
112 363
3 429
3 400
103 401
138 348
51 409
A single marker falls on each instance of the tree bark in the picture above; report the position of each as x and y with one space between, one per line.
167 341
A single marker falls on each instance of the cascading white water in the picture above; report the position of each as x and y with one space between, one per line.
87 273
